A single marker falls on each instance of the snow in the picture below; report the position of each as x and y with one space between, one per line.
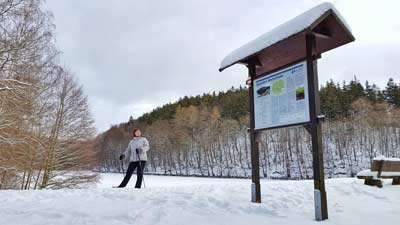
201 201
387 159
374 174
291 27
6 88
16 81
367 173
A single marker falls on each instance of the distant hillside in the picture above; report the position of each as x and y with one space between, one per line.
207 135
335 98
232 104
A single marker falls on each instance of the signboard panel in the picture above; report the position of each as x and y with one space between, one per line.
281 98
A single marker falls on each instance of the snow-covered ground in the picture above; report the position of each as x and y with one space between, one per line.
201 201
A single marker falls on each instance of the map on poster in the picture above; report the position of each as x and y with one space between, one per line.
281 98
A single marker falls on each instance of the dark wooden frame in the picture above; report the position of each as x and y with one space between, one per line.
266 75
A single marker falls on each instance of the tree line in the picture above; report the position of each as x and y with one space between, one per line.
45 124
207 135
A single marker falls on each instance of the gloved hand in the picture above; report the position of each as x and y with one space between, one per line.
121 157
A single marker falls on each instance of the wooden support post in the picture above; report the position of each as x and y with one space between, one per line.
373 182
321 209
396 181
254 145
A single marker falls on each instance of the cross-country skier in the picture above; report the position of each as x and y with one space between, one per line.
136 152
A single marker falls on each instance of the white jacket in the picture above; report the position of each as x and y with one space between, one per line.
140 143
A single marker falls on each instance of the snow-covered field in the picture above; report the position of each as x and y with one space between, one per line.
201 201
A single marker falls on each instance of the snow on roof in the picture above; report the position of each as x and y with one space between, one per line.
279 33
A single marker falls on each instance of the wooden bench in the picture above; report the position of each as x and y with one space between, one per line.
381 168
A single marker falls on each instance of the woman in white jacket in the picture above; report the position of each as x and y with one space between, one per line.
136 152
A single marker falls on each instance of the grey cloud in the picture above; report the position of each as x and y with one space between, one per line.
151 52
373 62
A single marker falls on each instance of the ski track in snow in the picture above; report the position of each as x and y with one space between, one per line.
195 201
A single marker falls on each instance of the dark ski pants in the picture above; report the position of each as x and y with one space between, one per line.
132 166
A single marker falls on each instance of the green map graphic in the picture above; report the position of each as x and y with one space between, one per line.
277 86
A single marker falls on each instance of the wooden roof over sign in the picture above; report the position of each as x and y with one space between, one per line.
286 43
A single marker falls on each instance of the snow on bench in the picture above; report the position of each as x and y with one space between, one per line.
387 159
374 174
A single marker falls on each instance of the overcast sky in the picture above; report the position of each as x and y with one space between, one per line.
132 56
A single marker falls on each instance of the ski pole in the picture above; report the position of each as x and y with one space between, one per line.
122 165
140 167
